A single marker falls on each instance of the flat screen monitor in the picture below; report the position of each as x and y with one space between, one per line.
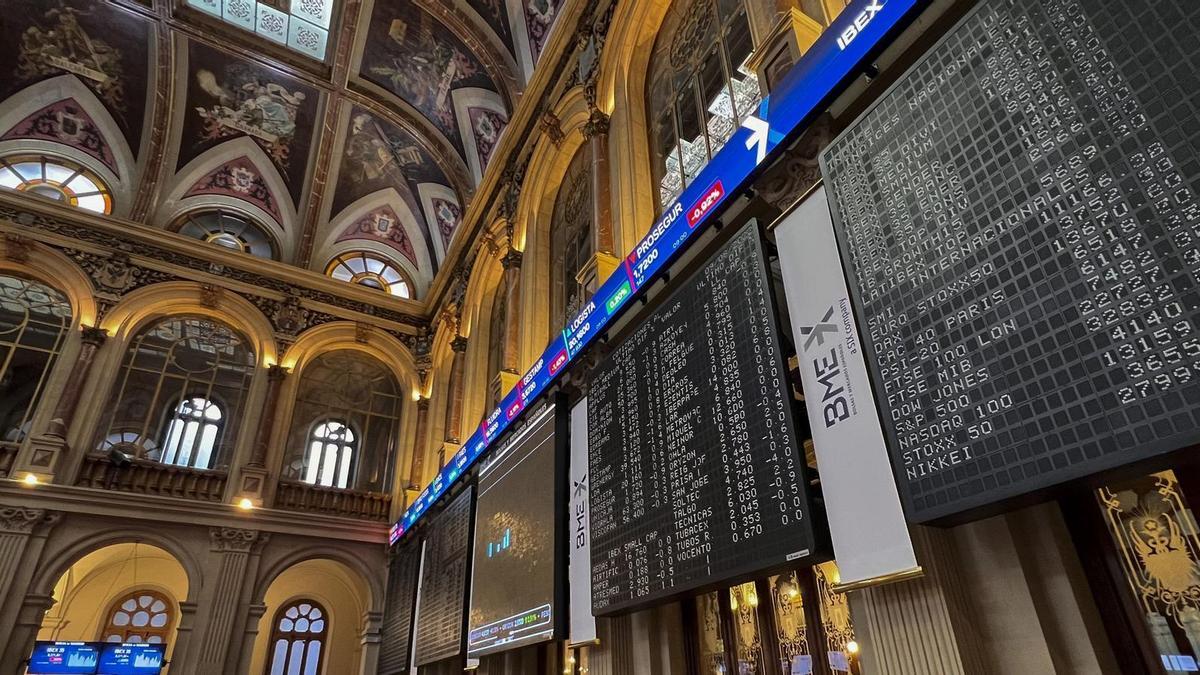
516 557
64 658
132 659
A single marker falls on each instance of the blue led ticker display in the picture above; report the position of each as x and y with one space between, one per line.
837 56
132 659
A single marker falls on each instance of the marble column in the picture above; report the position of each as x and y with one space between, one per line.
233 558
420 446
45 449
254 474
595 131
510 353
454 393
91 340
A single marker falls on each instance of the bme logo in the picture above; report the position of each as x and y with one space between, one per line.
706 203
860 22
835 405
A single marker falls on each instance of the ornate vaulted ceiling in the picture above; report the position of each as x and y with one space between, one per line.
189 106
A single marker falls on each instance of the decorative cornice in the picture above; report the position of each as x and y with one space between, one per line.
17 248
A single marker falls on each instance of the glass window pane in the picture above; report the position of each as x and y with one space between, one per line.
296 658
739 42
9 179
314 462
374 265
29 170
279 658
313 662
357 264
208 443
94 203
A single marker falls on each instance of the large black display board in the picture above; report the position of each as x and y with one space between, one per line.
1018 218
439 633
696 476
395 645
515 574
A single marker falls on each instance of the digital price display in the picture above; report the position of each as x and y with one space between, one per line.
696 474
132 659
64 658
1019 220
395 645
516 567
832 61
444 583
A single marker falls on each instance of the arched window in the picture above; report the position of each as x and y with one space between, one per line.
698 90
180 393
298 639
192 433
330 453
345 424
570 240
228 230
144 616
56 179
372 271
34 322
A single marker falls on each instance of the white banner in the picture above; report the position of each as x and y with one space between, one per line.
583 624
866 520
412 647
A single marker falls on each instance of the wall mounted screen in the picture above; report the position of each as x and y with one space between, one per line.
696 475
444 583
396 642
65 658
132 659
516 541
1020 224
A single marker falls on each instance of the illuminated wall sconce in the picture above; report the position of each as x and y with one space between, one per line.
245 504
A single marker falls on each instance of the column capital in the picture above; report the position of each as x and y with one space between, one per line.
93 336
512 259
276 373
235 540
19 520
597 124
423 404
459 344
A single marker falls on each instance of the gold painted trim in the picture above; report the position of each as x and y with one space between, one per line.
894 577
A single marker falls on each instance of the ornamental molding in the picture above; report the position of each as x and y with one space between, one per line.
20 520
235 540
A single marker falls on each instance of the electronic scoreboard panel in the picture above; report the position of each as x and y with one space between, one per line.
696 474
396 645
439 633
1019 220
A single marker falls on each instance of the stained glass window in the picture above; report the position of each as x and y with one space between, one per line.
57 180
143 616
372 271
228 230
302 25
297 638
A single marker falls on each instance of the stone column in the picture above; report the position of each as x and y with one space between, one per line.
232 553
254 474
371 637
48 446
23 533
253 618
417 468
614 653
454 393
183 634
25 627
923 625
511 352
595 131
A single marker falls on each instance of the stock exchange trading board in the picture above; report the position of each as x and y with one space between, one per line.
696 474
1019 222
442 601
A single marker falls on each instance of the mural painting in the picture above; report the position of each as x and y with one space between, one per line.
104 47
384 226
411 54
380 155
229 97
68 123
495 14
539 19
486 125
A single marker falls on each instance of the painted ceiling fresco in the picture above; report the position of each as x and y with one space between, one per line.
495 15
104 47
229 97
539 19
411 54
